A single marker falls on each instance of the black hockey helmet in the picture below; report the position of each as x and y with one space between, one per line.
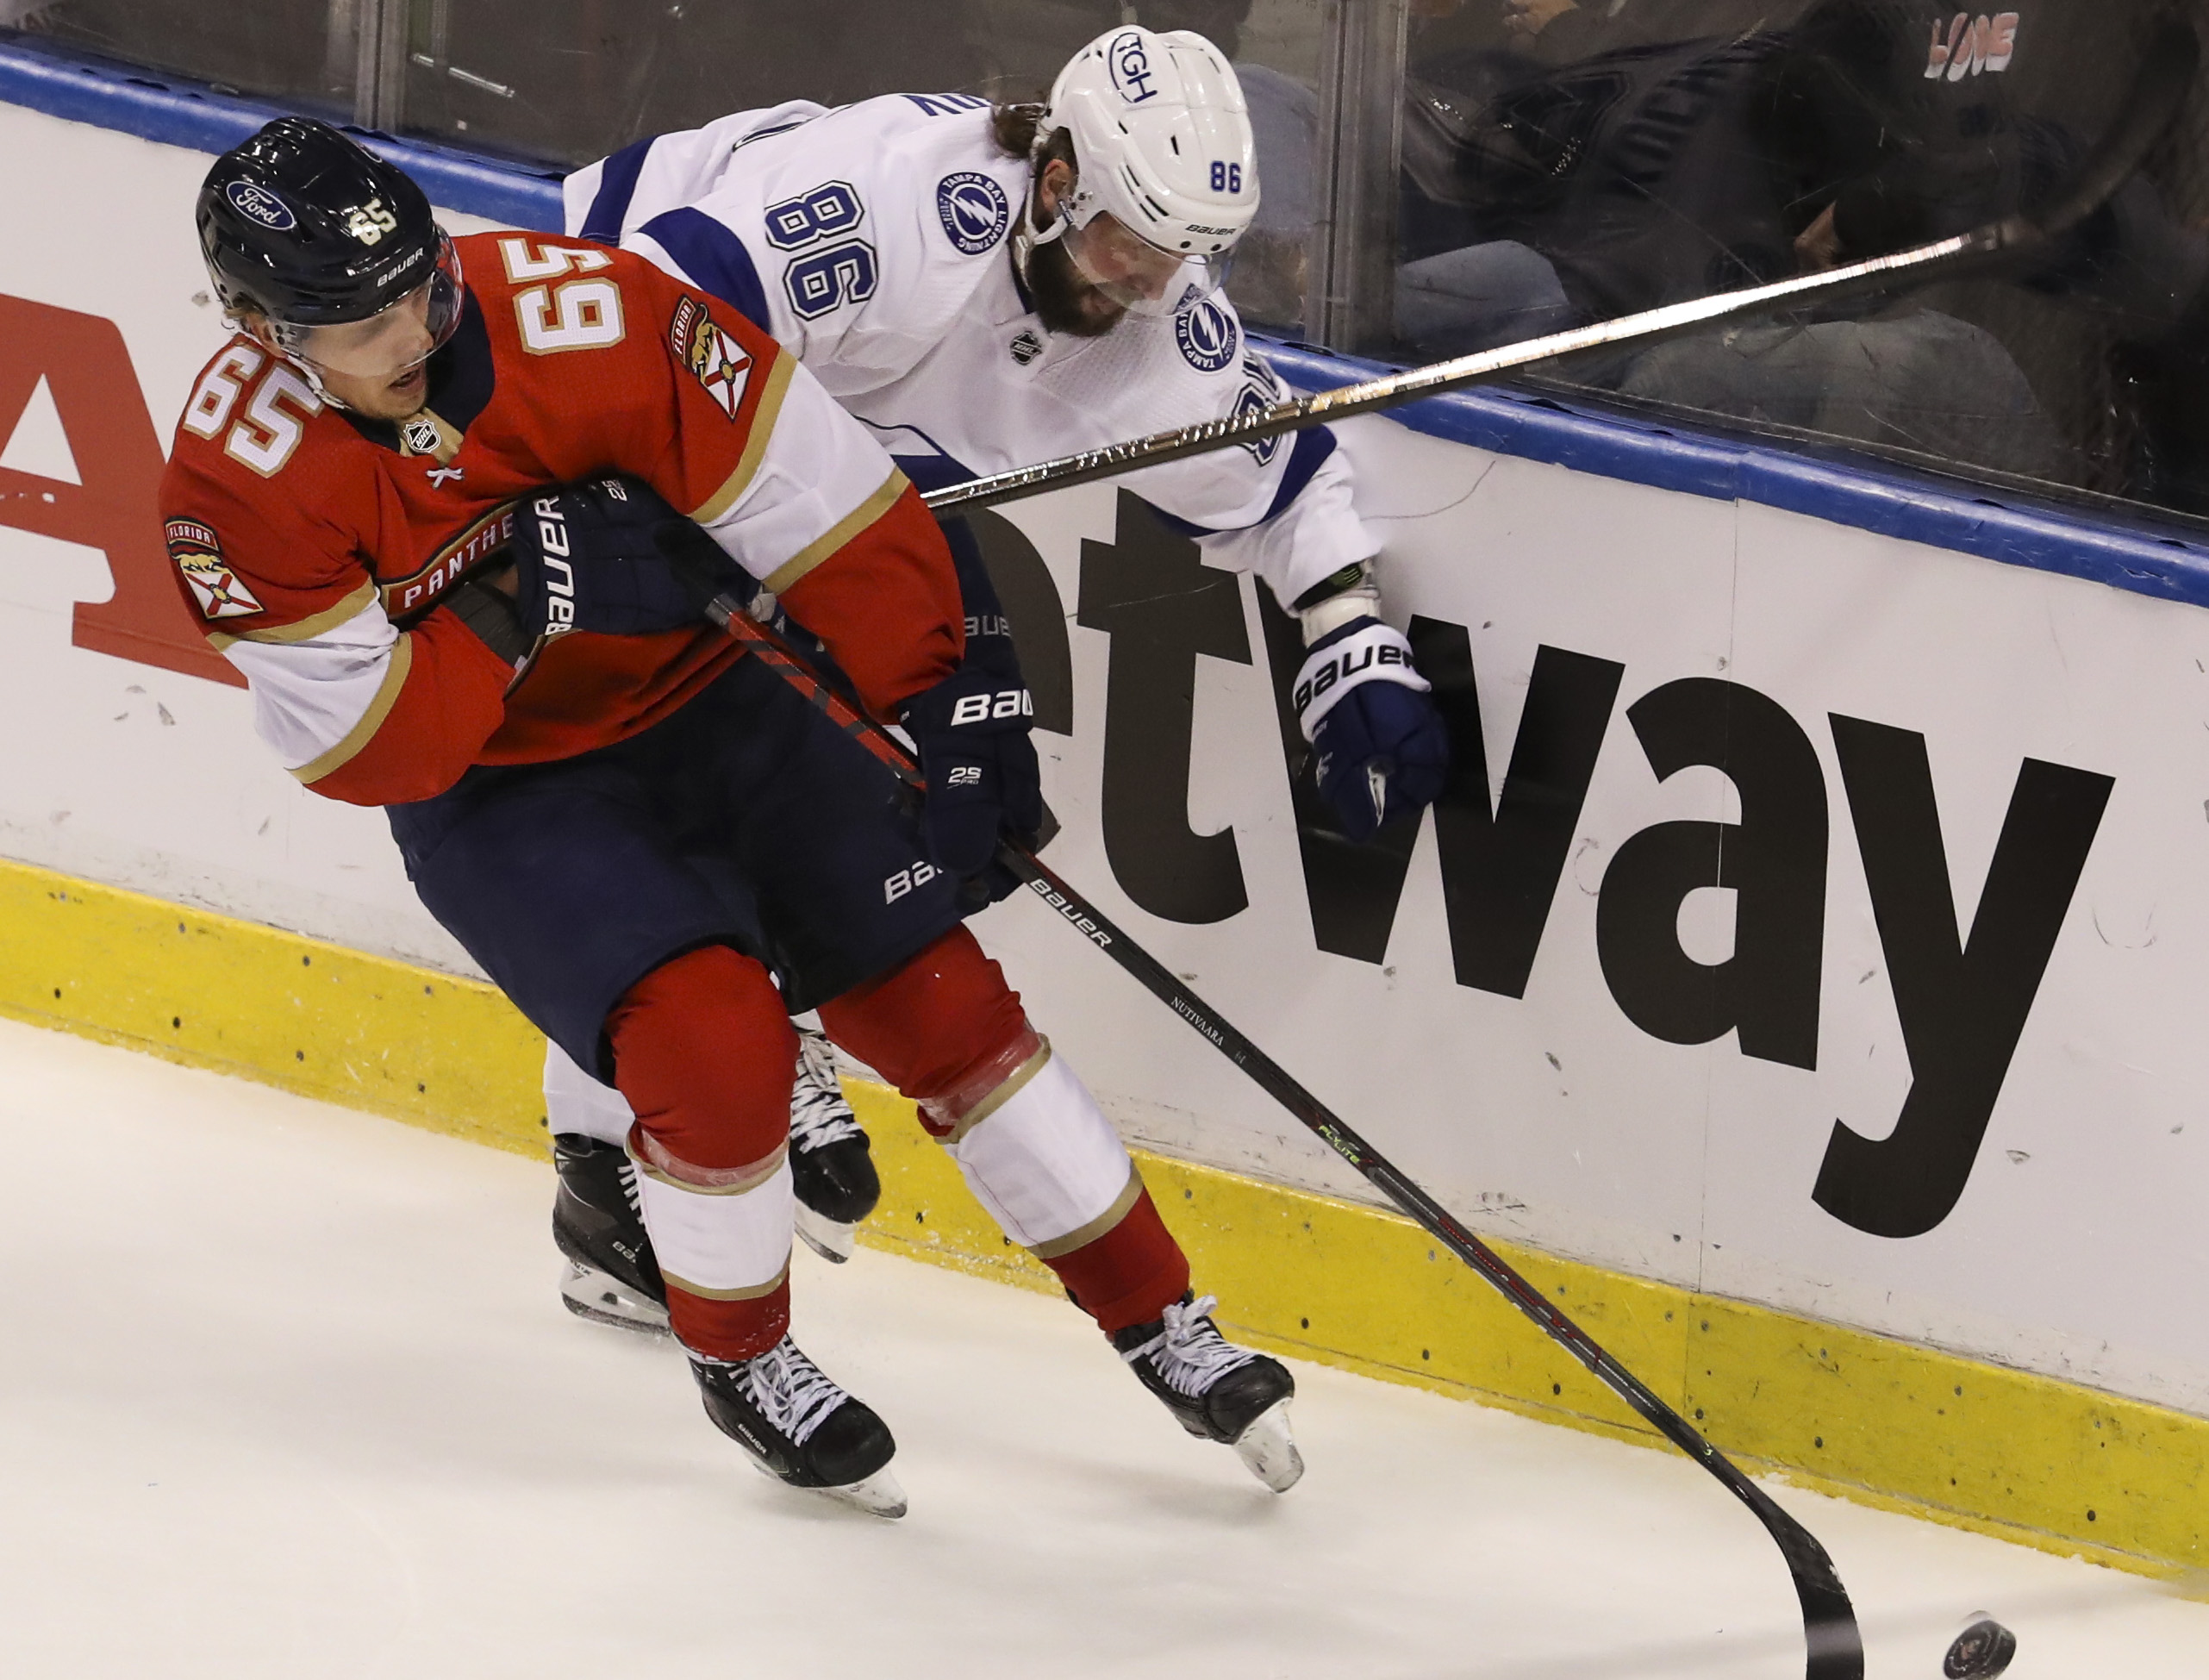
311 230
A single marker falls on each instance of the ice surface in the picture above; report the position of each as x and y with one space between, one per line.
287 1390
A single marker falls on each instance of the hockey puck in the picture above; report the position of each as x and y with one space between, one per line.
1980 1651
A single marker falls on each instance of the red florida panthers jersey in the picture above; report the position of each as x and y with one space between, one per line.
315 546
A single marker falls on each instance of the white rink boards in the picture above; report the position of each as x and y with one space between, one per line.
303 1401
1564 1116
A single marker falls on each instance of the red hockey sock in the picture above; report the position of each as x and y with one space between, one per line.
1128 1276
731 1329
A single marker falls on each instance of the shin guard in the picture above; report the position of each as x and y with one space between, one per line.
1041 1156
723 1241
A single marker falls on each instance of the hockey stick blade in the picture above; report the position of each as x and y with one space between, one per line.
1834 1646
2171 52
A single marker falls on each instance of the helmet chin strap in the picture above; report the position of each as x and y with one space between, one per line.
1027 235
305 369
313 376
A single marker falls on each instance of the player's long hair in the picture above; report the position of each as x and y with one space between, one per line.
1014 128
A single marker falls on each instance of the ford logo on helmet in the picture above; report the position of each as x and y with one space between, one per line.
1130 63
258 204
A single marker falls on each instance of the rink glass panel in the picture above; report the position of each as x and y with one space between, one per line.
298 53
507 75
1563 164
1447 175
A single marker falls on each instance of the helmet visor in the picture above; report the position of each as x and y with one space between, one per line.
1137 275
397 339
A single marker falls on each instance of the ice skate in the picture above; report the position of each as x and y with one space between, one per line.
831 1169
612 1278
1216 1390
801 1427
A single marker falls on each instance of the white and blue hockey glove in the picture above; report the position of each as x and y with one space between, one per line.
1379 747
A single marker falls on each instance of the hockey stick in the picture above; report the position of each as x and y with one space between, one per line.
2173 53
1836 1649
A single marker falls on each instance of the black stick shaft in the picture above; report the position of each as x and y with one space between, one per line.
1836 1649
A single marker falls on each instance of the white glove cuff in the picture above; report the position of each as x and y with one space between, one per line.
1377 653
1337 610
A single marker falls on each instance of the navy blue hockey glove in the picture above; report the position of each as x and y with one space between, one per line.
972 732
1379 747
594 557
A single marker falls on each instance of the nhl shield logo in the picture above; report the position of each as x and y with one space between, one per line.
1206 335
974 210
722 366
198 555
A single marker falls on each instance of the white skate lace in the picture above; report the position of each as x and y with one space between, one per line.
791 1392
1189 1352
636 1198
818 1113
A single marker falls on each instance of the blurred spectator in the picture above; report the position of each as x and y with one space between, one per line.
1612 159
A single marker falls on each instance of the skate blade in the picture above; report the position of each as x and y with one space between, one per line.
1269 1451
592 1295
878 1495
825 1237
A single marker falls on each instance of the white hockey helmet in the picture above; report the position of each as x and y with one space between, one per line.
1162 148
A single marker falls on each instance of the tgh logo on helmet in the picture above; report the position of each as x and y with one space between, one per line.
1131 68
258 204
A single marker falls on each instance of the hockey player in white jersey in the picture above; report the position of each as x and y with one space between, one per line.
987 286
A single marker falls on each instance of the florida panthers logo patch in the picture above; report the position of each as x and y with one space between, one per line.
198 555
714 359
974 210
1207 336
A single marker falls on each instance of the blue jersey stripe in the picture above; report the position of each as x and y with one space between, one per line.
617 185
716 259
1313 446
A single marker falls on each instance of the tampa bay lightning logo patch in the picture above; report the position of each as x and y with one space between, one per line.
258 204
1206 335
975 210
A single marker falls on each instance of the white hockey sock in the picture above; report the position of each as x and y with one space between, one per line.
728 1240
1038 1153
574 1101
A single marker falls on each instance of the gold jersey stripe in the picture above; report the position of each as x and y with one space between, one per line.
777 386
883 499
387 696
307 628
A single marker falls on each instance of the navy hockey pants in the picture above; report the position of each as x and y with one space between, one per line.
745 819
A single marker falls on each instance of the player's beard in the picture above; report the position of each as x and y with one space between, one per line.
1065 300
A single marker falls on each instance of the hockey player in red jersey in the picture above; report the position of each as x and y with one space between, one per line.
989 287
443 503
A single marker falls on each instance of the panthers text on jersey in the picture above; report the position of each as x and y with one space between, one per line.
871 240
315 545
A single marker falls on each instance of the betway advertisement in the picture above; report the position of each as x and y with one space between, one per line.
1812 917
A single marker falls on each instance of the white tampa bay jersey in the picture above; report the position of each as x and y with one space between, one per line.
871 242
